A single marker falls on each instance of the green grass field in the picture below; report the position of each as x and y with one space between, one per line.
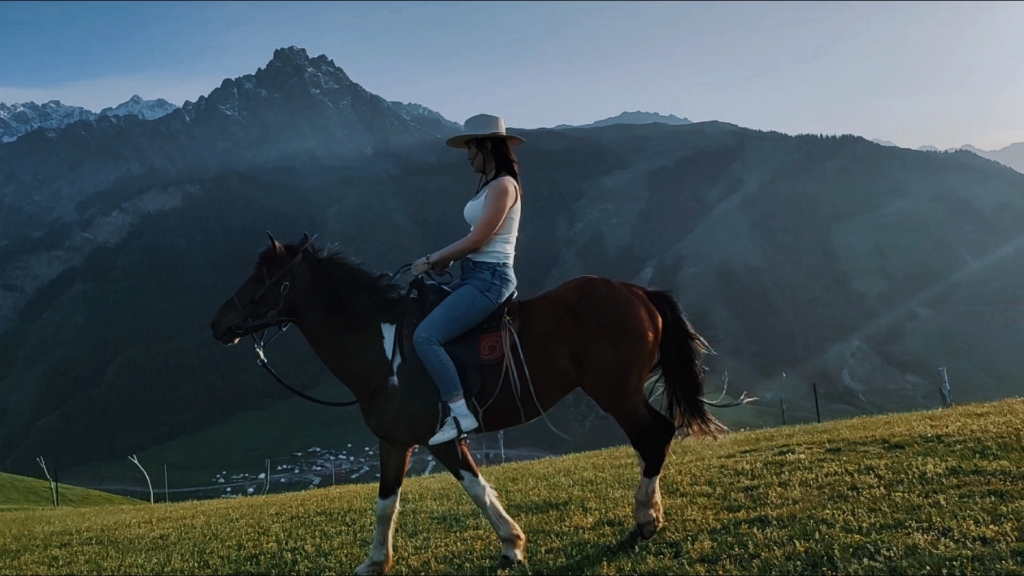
926 492
21 493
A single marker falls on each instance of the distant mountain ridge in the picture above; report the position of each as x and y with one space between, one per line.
637 117
1011 156
20 118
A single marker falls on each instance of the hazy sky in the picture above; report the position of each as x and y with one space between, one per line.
939 73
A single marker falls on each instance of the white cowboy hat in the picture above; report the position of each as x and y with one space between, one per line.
483 126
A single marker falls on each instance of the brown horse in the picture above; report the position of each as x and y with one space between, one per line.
606 337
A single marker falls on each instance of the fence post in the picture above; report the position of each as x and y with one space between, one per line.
783 409
167 494
56 486
817 411
944 388
332 473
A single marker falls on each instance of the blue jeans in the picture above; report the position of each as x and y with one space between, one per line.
478 292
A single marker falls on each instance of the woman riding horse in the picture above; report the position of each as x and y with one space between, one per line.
608 338
486 253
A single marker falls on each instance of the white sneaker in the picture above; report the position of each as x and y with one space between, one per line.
448 432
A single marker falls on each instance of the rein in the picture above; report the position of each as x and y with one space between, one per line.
281 323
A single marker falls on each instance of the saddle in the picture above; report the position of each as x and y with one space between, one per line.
479 347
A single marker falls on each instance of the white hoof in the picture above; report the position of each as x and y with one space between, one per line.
511 555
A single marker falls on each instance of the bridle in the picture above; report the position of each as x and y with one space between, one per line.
273 316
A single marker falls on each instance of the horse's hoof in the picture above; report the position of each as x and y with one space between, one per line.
505 562
370 568
647 530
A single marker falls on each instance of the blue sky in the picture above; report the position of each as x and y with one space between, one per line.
939 73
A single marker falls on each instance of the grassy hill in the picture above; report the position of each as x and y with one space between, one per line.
925 492
21 493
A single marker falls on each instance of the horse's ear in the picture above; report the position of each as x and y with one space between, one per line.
275 244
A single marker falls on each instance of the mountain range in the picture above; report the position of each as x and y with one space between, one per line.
1012 155
18 119
802 259
636 117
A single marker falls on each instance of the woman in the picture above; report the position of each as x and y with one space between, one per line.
487 255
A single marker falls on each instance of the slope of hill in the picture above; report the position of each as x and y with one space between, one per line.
19 492
912 493
1012 155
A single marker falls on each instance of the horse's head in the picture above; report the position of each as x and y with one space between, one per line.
262 301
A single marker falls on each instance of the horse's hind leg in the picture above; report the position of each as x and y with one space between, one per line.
650 432
459 462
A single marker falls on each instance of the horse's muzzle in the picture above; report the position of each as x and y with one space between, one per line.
227 336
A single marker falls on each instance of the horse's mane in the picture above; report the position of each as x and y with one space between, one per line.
346 285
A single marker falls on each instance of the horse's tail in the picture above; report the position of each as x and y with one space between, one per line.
682 370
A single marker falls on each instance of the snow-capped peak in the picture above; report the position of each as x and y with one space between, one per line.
17 119
145 109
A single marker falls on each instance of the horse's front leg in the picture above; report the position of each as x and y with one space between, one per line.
394 462
457 459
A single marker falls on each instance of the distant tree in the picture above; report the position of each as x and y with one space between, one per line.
136 461
53 485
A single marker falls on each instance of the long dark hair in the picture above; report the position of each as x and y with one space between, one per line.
505 163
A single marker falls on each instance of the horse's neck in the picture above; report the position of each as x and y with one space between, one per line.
351 351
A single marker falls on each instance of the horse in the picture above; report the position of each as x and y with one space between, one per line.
607 337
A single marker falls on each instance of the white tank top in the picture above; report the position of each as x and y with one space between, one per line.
502 245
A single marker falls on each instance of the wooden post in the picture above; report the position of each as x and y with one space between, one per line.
56 487
783 409
817 410
332 472
167 496
944 388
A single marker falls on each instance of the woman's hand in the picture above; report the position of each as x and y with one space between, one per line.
420 266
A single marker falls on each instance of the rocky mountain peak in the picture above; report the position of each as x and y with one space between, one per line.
20 118
293 62
145 109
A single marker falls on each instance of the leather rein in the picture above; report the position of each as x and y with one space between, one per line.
273 319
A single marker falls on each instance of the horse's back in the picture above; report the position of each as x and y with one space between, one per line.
593 308
597 295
